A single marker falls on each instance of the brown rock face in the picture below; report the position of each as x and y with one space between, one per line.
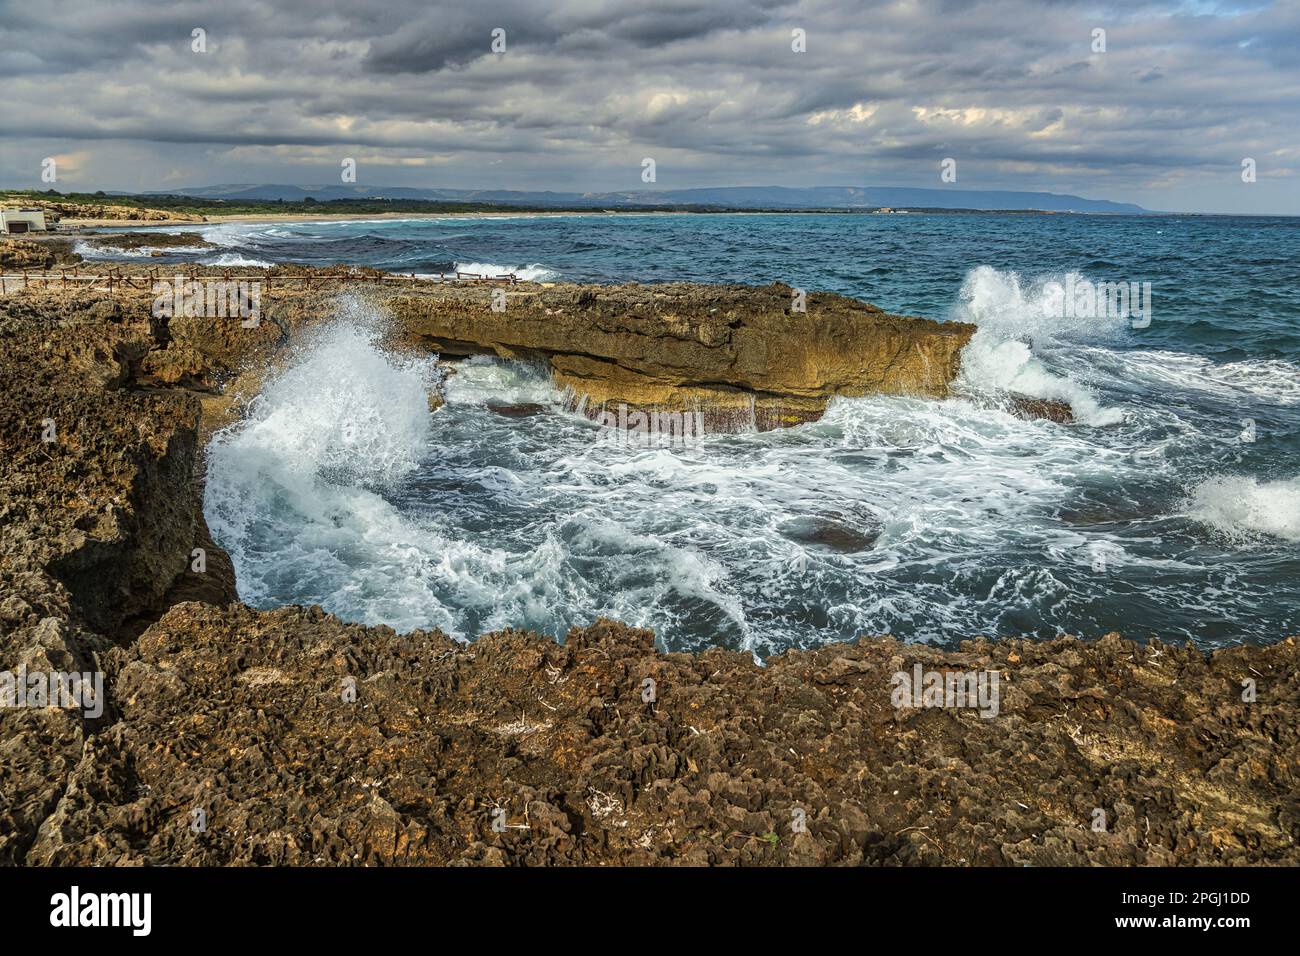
738 356
736 353
97 519
21 254
244 715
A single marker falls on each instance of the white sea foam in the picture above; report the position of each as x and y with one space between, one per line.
88 250
530 273
234 259
481 379
1240 506
1269 380
295 489
1012 323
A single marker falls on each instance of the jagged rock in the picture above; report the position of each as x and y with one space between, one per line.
1052 410
740 356
243 714
19 254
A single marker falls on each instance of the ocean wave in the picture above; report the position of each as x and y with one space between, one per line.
529 273
294 491
1012 321
1243 507
235 259
233 235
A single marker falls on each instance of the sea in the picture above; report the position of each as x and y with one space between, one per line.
1170 508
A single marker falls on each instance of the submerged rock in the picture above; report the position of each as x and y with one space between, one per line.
517 410
830 533
1023 406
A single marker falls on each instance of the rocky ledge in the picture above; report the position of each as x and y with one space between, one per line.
232 735
769 356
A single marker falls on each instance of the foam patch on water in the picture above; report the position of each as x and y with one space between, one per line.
1269 380
1241 507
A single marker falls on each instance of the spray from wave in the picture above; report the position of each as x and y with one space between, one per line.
295 490
1014 326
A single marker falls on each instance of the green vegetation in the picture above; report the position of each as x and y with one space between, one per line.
191 205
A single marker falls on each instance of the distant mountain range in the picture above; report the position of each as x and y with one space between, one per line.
731 197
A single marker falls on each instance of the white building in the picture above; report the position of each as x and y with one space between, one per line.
17 221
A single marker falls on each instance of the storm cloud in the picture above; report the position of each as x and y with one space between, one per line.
1017 92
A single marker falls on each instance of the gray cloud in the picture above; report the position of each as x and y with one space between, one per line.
712 90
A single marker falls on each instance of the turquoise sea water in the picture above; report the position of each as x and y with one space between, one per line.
1171 509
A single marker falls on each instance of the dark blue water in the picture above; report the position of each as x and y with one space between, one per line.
1171 508
1225 285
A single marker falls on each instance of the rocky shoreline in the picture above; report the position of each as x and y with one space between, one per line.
306 740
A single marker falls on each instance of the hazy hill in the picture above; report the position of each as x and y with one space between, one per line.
734 197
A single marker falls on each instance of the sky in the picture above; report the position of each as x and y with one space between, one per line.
123 95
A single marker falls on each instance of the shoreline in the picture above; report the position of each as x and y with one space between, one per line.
565 213
71 226
82 224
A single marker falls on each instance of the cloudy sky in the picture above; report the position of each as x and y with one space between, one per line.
713 91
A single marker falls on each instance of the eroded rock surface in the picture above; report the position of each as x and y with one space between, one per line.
243 715
735 352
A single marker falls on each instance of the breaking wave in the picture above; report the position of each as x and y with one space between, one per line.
930 520
235 259
529 273
1241 507
1012 324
